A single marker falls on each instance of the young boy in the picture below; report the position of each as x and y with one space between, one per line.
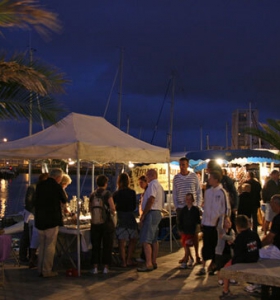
223 249
216 206
246 248
188 220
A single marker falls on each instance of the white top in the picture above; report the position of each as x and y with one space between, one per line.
154 189
216 206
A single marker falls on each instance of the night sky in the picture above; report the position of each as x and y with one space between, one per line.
224 55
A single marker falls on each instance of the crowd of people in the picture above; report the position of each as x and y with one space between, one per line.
227 218
229 222
46 205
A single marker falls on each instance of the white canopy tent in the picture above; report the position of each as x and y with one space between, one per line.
88 138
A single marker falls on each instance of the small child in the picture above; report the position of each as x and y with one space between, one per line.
188 221
223 249
246 248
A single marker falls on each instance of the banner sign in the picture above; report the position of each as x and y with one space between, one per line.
162 170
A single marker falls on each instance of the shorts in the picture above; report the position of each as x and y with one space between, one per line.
269 214
187 239
126 233
149 230
221 260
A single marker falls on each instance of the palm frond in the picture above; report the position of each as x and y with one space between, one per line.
17 103
36 76
269 132
25 14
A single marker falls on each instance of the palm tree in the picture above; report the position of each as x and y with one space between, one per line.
23 83
269 132
26 14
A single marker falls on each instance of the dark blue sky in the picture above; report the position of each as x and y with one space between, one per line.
224 54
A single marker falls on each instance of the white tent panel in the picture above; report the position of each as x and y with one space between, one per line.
84 137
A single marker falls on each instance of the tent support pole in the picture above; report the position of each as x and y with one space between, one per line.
29 171
170 216
78 218
92 178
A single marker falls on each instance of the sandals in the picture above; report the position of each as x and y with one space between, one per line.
145 269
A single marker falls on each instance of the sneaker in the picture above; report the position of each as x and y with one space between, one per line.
201 272
198 261
220 282
233 282
253 288
226 295
211 272
94 271
183 266
105 271
190 263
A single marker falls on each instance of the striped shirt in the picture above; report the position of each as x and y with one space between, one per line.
183 184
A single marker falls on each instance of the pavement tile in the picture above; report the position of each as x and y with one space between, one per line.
167 282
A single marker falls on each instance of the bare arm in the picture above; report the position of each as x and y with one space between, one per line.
148 206
174 195
268 239
198 193
112 205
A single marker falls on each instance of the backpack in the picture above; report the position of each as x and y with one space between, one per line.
98 208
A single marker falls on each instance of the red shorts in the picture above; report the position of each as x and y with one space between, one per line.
187 240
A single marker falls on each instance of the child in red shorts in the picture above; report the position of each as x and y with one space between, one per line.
188 221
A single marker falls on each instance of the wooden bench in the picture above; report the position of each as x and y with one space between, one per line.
265 271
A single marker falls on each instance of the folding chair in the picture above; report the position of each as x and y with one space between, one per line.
5 251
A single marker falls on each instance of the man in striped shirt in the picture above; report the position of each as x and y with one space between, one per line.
183 183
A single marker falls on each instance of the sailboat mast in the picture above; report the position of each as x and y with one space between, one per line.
169 140
250 124
120 89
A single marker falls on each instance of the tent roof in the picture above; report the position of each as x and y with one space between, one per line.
87 138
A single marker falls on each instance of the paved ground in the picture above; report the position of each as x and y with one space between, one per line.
167 282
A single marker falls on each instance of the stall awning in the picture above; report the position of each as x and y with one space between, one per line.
198 159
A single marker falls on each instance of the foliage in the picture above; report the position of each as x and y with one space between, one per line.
26 14
26 88
269 132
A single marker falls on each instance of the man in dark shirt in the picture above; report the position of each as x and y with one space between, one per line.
273 238
255 196
48 218
271 188
246 248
